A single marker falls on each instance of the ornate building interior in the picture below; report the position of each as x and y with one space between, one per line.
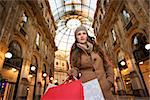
36 37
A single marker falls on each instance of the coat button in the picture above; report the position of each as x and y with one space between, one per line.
93 70
80 74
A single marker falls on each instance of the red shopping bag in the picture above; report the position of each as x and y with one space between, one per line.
69 91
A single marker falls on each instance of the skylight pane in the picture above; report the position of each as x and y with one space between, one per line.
91 14
68 1
59 3
61 10
93 4
52 5
71 39
68 8
69 47
63 30
60 24
65 38
62 46
56 17
76 1
56 42
87 22
78 7
58 37
55 13
86 2
72 32
68 32
85 10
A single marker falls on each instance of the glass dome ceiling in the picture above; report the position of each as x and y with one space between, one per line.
68 15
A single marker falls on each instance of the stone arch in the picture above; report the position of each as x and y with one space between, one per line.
15 62
35 54
34 60
133 33
138 42
21 42
16 50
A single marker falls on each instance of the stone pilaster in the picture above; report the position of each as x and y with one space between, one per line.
3 50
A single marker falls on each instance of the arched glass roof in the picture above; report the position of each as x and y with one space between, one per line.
68 15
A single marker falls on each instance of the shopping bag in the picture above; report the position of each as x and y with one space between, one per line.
49 86
92 90
69 91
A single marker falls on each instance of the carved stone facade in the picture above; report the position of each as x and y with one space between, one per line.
122 29
60 68
27 31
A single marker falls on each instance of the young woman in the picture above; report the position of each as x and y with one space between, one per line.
88 62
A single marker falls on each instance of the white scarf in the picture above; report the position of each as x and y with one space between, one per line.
88 47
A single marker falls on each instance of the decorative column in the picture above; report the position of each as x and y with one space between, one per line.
24 79
3 50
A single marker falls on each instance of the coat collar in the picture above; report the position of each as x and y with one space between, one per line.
87 49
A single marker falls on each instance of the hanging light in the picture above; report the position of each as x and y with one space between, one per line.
147 46
51 78
33 68
8 55
30 75
141 62
55 81
44 74
28 89
122 63
14 69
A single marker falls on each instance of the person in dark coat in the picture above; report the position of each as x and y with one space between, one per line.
88 61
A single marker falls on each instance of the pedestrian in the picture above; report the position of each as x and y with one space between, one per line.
88 61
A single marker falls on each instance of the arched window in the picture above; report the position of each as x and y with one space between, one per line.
135 40
34 66
16 51
37 39
24 19
34 61
113 35
126 16
106 45
139 41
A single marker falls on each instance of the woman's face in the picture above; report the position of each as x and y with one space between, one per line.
81 36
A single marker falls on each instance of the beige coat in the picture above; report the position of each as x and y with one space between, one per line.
91 67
